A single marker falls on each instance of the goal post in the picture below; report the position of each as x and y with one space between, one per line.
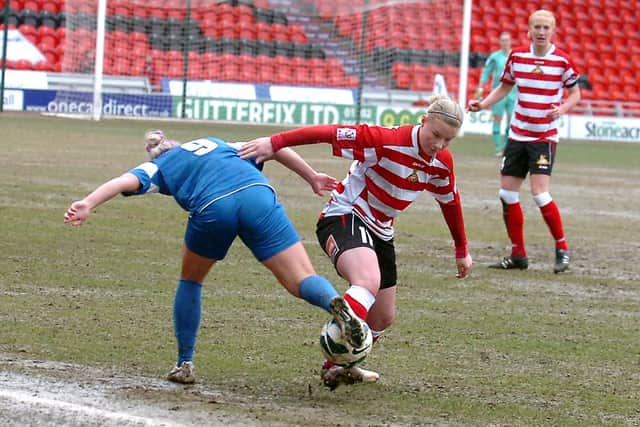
191 51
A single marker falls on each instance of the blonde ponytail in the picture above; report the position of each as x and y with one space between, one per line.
443 108
156 143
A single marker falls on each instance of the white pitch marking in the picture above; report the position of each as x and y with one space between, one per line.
117 416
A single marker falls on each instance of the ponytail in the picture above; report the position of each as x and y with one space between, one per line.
156 143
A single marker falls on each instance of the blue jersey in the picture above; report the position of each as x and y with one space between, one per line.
198 173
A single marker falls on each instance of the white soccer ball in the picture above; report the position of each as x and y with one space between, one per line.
339 351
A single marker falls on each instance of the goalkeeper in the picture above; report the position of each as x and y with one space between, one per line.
493 67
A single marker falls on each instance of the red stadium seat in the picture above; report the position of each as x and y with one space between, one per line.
226 29
225 9
632 94
50 6
212 72
402 80
61 33
628 80
23 64
195 71
263 31
300 76
45 66
297 34
229 59
246 30
420 83
28 30
175 69
265 75
30 5
244 13
279 32
318 77
174 56
50 55
281 61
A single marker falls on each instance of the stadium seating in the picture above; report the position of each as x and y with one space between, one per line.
267 46
599 35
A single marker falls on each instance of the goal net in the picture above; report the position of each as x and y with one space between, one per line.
198 58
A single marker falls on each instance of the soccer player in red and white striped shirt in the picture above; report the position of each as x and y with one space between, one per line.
540 71
391 168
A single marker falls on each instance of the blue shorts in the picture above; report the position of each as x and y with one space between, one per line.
253 213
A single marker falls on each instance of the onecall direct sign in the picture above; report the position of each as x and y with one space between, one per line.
124 105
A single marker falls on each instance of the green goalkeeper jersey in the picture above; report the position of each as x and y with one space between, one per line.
494 65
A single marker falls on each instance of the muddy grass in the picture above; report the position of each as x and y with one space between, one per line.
85 314
40 393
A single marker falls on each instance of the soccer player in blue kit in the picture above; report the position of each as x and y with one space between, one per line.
225 197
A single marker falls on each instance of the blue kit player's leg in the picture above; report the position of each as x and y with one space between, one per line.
208 237
268 233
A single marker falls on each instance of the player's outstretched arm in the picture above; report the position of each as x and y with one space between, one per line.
260 148
263 148
494 96
319 182
80 210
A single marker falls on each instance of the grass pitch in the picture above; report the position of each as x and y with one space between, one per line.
500 348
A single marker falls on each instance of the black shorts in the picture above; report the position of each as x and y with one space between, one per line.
521 158
337 234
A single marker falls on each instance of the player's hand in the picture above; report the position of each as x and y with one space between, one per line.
77 213
474 105
323 182
260 148
554 113
464 266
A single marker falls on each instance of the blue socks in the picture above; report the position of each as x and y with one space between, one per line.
318 291
187 309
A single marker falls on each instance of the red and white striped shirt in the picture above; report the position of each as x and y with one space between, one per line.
387 175
540 81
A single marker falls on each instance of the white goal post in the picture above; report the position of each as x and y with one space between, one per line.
385 50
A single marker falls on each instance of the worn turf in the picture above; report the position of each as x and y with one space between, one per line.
500 348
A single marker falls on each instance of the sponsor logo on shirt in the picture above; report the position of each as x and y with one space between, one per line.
346 134
537 70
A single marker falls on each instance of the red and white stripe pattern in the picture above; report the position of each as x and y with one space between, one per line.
540 81
388 174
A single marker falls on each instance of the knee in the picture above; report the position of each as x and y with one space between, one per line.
382 320
542 199
367 280
509 197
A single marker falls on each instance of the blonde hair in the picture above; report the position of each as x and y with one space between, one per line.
443 108
156 143
544 13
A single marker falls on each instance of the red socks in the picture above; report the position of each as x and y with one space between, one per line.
551 215
359 309
514 220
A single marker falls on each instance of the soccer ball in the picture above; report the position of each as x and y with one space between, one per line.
339 351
